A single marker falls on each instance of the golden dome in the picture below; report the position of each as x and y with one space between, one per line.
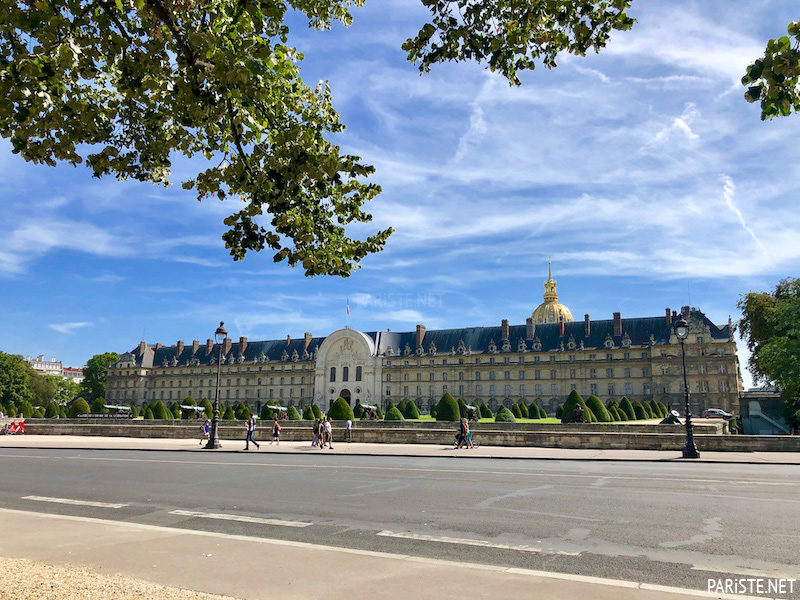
551 310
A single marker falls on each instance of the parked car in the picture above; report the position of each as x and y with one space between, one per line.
716 413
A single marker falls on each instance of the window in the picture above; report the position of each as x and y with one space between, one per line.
701 369
723 368
345 373
270 394
522 374
419 376
461 361
521 359
405 391
507 390
609 356
291 380
665 388
280 393
592 373
478 389
552 358
720 351
281 380
477 376
593 357
644 355
388 391
645 372
537 374
536 359
405 376
444 361
628 373
333 374
461 375
572 387
593 389
646 389
506 374
628 389
521 389
491 375
552 373
460 391
700 340
609 372
665 370
444 376
444 389
229 382
537 389
271 380
572 373
702 386
432 362
358 373
491 360
554 389
388 377
506 360
610 389
626 356
491 391
405 363
430 390
431 377
724 386
571 358
477 361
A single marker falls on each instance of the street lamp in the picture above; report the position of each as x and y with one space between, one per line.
213 439
689 450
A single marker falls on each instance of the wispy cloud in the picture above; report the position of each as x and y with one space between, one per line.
68 328
728 192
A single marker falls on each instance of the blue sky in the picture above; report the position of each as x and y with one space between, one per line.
641 171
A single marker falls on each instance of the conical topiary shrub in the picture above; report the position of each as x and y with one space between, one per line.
148 414
515 411
393 414
559 411
159 410
341 411
542 413
292 414
594 404
523 410
411 411
358 410
486 412
533 412
638 410
447 409
568 408
462 408
504 416
308 414
317 411
655 410
206 404
626 406
229 415
663 408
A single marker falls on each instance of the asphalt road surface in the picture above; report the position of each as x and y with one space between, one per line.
675 524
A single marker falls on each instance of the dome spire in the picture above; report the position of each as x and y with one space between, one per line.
551 310
550 294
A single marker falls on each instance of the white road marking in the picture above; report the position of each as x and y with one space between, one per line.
438 471
619 583
470 542
75 502
241 518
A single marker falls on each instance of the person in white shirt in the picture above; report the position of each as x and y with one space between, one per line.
329 433
348 431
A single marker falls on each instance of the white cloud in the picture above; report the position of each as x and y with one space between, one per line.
68 328
728 191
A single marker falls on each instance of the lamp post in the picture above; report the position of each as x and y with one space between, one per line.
213 439
689 450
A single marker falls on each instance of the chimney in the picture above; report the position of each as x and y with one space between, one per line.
529 328
226 347
617 324
178 348
420 334
288 339
685 311
587 326
669 317
504 329
209 346
195 346
307 340
242 344
159 346
142 347
561 325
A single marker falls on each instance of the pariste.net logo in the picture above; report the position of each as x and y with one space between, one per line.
752 586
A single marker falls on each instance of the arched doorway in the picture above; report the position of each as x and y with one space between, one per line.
345 393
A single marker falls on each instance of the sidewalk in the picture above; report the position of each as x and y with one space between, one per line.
71 442
255 568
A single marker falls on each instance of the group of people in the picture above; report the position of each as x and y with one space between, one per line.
464 435
250 426
323 433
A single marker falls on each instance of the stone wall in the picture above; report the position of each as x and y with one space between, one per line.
589 436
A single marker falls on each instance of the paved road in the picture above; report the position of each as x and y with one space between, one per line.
673 524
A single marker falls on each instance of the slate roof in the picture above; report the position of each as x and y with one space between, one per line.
476 340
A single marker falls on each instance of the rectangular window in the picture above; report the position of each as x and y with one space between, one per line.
536 359
345 373
461 375
333 373
506 360
665 370
491 391
506 374
388 363
701 369
477 376
405 391
478 389
280 393
610 389
522 389
507 390
700 340
572 373
388 391
419 391
432 362
592 373
552 358
537 389
702 386
609 372
431 376
571 358
572 387
358 373
430 390
444 376
444 361
491 375
593 389
628 389
627 356
723 368
522 374
552 373
665 388
592 357
644 355
461 391
444 389
554 389
477 361
491 360
627 372
646 389
609 356
645 372
537 374
388 377
521 359
270 394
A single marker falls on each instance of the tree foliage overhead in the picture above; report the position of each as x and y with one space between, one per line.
123 85
774 79
771 326
512 36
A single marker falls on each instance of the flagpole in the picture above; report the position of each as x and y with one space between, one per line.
347 314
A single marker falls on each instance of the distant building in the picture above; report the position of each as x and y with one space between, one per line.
45 367
539 361
73 374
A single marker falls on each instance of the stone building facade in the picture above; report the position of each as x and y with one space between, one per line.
539 361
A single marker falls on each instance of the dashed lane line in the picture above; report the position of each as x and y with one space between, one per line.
240 518
470 542
74 502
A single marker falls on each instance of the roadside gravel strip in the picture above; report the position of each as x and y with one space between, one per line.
22 579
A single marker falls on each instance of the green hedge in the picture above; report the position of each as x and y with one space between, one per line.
516 411
663 408
159 410
533 412
308 414
293 414
568 409
626 406
411 411
208 407
228 414
358 410
148 414
560 411
462 408
505 416
341 411
523 410
51 410
542 413
597 408
639 410
656 409
98 406
317 411
486 412
393 414
447 409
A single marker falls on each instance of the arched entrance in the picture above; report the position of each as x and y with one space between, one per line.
345 393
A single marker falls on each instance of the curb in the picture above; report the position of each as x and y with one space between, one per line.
402 455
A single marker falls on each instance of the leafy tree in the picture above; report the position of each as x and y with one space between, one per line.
447 409
317 411
393 414
64 390
486 412
308 414
340 410
52 410
42 387
242 412
62 412
770 324
38 414
94 373
292 414
26 409
774 79
411 411
15 377
515 411
597 408
505 416
79 406
626 407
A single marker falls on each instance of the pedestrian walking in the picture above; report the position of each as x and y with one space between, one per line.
205 428
462 433
250 424
276 432
329 433
348 430
321 433
315 431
